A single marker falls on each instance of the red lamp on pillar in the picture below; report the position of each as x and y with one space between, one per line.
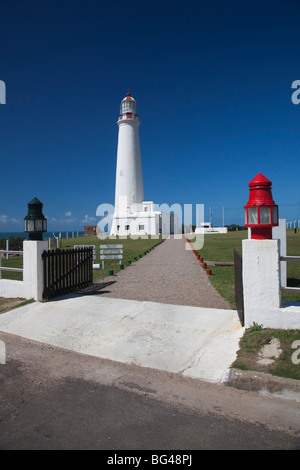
261 212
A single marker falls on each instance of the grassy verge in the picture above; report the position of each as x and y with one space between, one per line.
9 304
218 248
252 343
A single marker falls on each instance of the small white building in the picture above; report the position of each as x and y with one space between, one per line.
148 221
206 227
133 215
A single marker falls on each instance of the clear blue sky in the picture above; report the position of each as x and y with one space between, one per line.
212 81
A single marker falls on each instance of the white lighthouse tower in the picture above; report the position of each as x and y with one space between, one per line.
129 177
133 215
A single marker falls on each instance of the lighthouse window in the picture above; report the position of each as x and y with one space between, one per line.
265 215
141 227
127 227
126 106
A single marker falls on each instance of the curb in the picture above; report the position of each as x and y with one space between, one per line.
264 384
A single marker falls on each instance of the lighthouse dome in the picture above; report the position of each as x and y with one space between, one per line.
128 97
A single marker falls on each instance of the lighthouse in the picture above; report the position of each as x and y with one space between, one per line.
133 215
129 177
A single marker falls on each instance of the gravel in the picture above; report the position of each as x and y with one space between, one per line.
169 274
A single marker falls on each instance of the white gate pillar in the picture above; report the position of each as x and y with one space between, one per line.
261 281
33 274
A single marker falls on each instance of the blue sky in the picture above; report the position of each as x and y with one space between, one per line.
212 81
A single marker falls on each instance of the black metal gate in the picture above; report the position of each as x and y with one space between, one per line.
238 280
67 271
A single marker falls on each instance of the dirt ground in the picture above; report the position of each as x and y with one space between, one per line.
9 304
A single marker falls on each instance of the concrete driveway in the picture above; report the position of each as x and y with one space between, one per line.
192 341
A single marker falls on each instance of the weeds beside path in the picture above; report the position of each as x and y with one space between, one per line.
253 342
9 304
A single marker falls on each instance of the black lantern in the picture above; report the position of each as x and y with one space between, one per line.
35 223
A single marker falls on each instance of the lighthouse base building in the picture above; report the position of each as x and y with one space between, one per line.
148 221
133 215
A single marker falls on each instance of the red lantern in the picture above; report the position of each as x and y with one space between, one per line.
261 212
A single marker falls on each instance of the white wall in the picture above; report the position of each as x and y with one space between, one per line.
149 220
152 221
261 284
279 233
211 230
33 276
12 289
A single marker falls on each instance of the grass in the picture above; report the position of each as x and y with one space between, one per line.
218 248
252 342
8 304
14 261
131 249
221 247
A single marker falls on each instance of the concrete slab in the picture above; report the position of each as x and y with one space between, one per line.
193 341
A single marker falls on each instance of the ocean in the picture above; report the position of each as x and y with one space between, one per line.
46 236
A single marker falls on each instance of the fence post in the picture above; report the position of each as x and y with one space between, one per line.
7 248
261 281
33 273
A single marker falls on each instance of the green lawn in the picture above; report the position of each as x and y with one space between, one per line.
14 261
131 249
253 341
220 247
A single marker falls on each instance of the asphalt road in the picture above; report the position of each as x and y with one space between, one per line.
56 399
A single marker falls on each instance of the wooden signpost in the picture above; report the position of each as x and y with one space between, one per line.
111 252
106 252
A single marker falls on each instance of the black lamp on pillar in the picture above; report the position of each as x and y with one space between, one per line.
35 223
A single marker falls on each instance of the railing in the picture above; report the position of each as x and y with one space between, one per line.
7 268
290 258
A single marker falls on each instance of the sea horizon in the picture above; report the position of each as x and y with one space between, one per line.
46 235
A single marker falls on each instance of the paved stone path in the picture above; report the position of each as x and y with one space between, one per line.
169 274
